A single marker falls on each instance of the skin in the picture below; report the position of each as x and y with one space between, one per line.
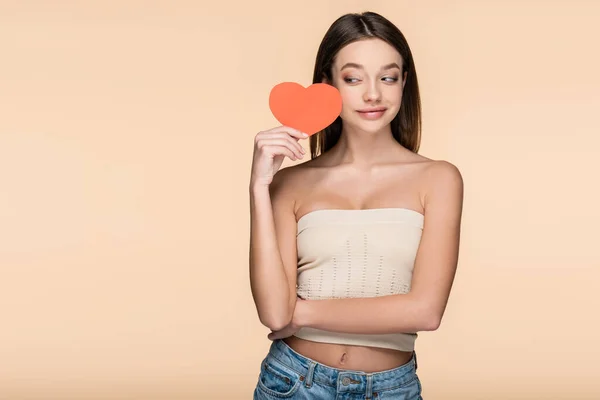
368 168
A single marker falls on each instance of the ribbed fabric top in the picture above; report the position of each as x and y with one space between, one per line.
357 253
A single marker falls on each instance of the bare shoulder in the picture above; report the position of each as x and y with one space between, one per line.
437 171
442 181
291 182
287 181
279 187
438 175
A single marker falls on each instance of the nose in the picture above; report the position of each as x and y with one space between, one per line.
372 93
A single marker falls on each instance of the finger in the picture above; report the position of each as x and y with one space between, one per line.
284 151
276 138
292 131
282 143
283 134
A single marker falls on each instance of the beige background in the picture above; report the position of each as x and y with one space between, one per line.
126 134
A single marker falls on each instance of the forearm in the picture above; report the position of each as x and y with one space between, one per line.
399 313
268 281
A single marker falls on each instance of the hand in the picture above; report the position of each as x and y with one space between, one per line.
294 325
270 148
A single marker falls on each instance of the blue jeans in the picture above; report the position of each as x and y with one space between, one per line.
286 374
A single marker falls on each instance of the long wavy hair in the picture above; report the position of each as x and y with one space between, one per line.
406 126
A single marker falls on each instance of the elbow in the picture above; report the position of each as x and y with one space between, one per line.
275 314
432 324
430 318
430 315
432 321
275 322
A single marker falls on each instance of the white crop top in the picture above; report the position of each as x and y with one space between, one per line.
357 253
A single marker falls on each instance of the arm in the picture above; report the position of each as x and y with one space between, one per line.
273 254
435 266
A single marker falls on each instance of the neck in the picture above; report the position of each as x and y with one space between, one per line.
364 149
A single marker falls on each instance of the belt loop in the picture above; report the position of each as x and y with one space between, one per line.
415 355
309 374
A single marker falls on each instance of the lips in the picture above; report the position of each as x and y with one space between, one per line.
367 110
372 113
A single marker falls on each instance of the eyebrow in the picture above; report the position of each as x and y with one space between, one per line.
354 65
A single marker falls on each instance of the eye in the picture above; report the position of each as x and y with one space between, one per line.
392 79
349 80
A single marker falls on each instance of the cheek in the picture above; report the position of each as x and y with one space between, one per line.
394 93
348 95
348 101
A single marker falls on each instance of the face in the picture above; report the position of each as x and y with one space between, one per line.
369 77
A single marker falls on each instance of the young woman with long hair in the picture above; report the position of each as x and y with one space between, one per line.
353 252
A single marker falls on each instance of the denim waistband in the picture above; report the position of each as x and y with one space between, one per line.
342 379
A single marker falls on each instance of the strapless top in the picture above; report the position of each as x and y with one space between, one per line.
345 253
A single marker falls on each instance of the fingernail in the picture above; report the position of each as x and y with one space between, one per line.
304 134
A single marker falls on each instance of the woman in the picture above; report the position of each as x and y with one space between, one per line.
355 251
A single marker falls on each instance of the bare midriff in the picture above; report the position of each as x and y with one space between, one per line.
349 357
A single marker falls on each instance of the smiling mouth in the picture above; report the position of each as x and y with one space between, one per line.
372 110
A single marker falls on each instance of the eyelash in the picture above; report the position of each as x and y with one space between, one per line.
347 79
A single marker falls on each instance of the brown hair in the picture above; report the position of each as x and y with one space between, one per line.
406 126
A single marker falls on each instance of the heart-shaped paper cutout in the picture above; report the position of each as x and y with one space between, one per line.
309 110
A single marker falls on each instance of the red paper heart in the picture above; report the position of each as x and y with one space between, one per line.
309 110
